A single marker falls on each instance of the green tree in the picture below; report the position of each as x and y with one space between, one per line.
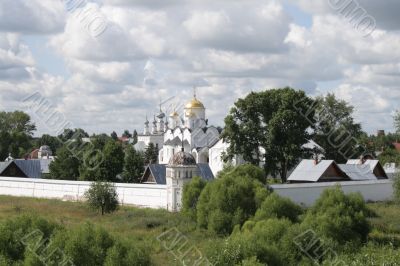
190 198
133 165
151 154
114 135
338 218
229 201
389 155
275 206
127 134
135 137
102 196
16 131
102 165
397 122
396 187
65 166
336 131
272 120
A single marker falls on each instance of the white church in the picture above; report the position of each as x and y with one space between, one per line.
188 131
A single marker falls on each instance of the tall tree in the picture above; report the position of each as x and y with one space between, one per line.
397 122
135 137
336 131
151 154
105 165
270 126
133 165
114 135
16 130
65 166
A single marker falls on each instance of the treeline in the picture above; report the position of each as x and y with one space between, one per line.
104 158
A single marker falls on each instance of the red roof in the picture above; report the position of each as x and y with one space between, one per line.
123 139
396 145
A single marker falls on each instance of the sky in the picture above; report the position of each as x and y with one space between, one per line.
104 65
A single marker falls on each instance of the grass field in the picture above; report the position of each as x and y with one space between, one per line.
143 225
146 225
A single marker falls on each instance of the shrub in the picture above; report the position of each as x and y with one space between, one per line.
275 206
269 242
227 202
102 196
396 187
339 218
245 170
191 194
91 245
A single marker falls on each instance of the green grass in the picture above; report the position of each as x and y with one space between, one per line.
145 225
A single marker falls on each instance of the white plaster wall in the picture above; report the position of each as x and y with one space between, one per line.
307 194
151 196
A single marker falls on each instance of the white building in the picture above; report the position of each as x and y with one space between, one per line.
189 130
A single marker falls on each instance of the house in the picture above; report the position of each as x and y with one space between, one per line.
364 169
396 146
309 171
21 168
156 173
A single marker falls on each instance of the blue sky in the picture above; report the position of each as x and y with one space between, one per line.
152 50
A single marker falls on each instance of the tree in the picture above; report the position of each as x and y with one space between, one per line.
102 196
127 134
151 154
104 165
270 126
191 194
229 201
65 166
275 206
133 165
336 131
135 137
16 131
339 218
396 187
114 135
397 122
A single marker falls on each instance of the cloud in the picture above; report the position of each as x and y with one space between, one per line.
31 17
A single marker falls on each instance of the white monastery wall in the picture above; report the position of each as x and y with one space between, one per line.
155 196
307 194
151 196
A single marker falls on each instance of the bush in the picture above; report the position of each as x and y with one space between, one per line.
339 218
102 196
396 187
21 234
90 245
227 202
275 206
245 170
191 194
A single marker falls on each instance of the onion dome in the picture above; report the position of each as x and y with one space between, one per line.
182 158
193 104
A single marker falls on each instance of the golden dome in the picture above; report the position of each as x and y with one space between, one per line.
194 103
174 114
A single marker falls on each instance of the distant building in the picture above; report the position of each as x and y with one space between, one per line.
310 171
328 171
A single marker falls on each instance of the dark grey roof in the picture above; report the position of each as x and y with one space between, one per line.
205 171
31 168
159 172
4 165
176 142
